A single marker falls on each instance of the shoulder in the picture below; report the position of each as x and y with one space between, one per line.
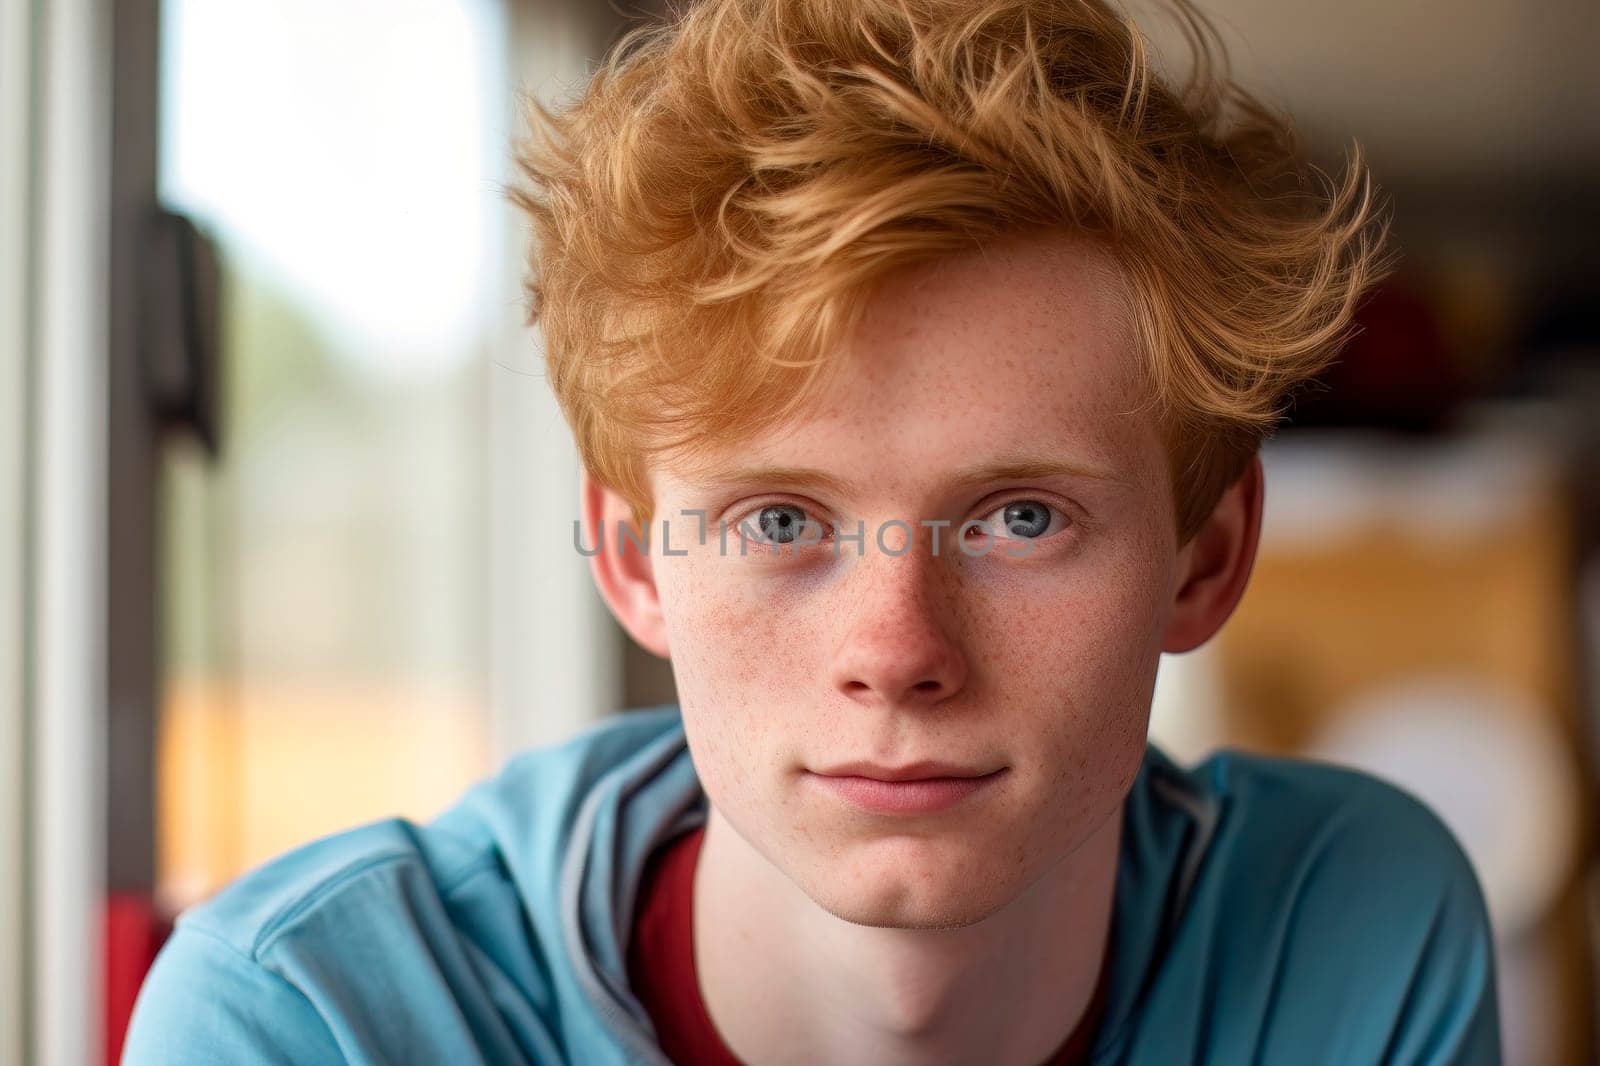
1326 831
271 901
1340 813
323 946
1353 917
410 865
247 974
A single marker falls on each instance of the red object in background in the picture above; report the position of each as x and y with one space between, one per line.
1398 372
135 931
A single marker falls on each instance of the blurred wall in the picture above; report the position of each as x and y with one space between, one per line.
16 107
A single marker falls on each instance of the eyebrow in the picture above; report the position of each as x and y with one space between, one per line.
1012 468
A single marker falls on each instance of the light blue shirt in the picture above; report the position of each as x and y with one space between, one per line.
1267 911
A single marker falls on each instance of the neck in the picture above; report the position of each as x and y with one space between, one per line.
785 980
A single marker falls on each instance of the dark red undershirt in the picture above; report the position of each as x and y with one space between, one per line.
662 974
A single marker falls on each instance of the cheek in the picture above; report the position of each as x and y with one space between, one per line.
729 630
740 656
1119 629
1079 681
1081 659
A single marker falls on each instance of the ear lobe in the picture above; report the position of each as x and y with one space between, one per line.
622 572
1214 567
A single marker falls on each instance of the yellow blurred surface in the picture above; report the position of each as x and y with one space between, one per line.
247 772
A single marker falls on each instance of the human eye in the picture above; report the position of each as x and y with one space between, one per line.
1021 519
774 526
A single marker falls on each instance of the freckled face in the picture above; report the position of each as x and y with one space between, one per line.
998 386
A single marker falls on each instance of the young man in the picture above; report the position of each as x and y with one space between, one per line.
927 345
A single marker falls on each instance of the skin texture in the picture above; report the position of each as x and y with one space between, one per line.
826 933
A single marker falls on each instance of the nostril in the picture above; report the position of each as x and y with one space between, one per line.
927 686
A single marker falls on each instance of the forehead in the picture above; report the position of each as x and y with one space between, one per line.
1022 347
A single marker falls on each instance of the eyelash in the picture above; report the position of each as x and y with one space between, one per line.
749 516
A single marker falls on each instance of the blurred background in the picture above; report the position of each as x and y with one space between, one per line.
287 506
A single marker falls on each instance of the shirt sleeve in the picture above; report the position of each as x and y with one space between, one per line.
206 1002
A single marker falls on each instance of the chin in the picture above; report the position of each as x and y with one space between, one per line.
909 895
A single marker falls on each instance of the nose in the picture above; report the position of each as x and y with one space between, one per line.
898 647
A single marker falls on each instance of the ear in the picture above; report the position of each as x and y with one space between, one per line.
1214 567
622 572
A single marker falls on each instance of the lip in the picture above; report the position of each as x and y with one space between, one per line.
913 791
916 771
